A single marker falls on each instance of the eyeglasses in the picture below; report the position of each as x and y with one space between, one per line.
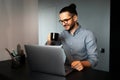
65 20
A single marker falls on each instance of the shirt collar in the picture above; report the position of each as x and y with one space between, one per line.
77 30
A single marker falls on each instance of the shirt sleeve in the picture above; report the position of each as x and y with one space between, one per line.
91 46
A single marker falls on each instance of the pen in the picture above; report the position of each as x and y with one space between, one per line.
14 53
11 55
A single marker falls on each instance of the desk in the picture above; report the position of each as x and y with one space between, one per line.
22 73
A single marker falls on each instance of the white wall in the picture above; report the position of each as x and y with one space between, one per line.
18 24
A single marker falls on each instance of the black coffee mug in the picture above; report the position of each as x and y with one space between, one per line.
54 36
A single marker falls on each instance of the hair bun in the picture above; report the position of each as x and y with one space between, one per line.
73 6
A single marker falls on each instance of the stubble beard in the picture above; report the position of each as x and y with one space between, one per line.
71 27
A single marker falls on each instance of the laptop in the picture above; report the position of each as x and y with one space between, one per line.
47 59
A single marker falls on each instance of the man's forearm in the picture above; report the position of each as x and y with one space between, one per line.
86 63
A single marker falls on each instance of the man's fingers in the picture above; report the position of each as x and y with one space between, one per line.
77 65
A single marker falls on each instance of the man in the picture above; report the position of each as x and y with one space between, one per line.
76 41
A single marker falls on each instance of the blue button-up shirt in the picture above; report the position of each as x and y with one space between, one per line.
81 45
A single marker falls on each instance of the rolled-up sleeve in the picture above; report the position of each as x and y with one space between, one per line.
91 46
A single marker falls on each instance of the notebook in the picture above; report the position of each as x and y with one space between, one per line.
47 59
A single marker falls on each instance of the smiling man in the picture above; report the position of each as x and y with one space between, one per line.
77 42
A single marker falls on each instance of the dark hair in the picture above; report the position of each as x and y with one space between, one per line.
71 8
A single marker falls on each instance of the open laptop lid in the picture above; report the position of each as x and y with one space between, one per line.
46 59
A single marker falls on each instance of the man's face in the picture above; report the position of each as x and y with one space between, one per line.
67 20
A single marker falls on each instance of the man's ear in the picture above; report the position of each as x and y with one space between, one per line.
75 17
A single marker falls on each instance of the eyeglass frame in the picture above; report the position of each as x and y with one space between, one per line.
65 20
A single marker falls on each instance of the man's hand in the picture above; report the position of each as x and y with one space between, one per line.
77 65
49 39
